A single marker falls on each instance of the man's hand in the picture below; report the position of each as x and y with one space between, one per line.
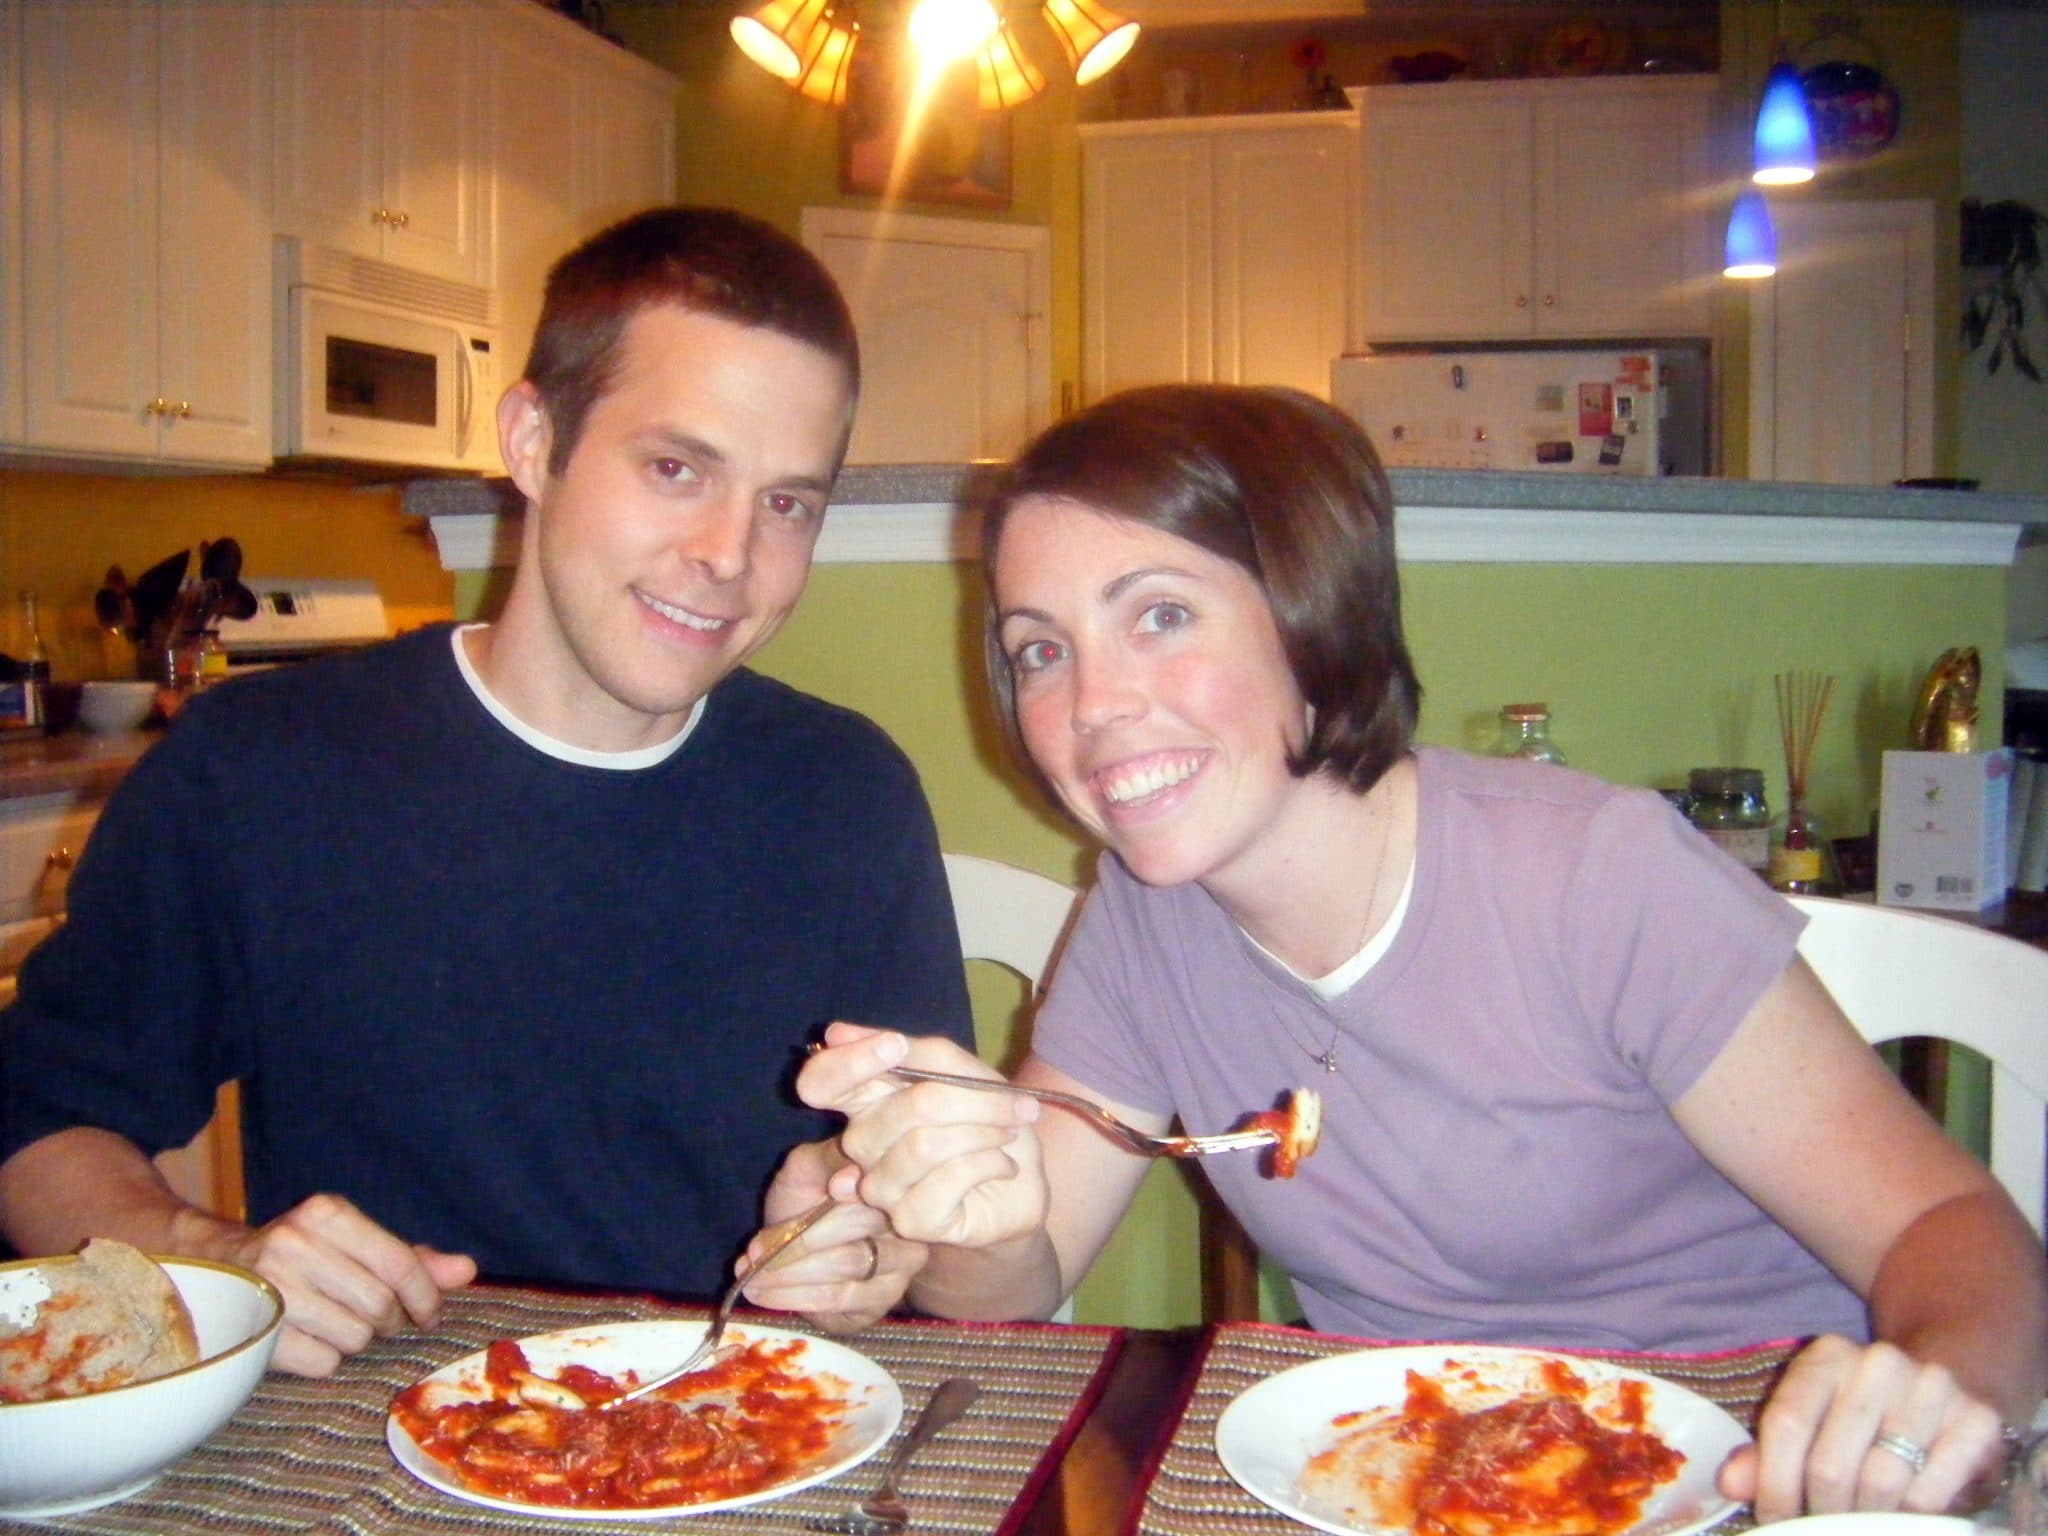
847 1270
345 1280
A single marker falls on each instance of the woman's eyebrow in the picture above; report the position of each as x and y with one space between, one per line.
1129 579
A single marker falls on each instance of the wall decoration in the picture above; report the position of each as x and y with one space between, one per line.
950 151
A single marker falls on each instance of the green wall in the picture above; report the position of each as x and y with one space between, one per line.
1649 670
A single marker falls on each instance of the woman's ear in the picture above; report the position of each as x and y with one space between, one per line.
525 438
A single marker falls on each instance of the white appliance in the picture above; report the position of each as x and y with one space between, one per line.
298 619
379 365
1632 411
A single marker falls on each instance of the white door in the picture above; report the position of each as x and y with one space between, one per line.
1842 346
953 336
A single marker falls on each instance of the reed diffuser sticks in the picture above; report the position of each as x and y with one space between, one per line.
1801 860
1802 705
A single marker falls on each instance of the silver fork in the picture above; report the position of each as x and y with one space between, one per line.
883 1512
795 1228
1129 1135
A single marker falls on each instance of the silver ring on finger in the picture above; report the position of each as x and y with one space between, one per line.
875 1263
1910 1452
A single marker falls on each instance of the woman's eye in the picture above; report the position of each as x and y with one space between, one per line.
1036 655
1162 617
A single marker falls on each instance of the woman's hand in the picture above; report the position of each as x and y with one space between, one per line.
1864 1427
946 1165
845 1272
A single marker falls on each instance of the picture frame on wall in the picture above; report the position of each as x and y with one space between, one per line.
944 150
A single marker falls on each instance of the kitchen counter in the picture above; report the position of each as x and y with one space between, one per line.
908 512
76 763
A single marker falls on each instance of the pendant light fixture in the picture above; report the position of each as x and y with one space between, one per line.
783 35
1783 153
1093 37
1784 130
1751 250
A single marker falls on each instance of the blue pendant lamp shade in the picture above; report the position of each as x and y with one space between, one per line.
1784 131
1752 249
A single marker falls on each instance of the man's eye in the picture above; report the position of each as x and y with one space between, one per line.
670 468
1036 655
793 507
1162 617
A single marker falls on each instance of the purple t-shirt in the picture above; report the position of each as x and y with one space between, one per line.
1498 1159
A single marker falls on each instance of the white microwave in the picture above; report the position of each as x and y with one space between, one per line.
380 365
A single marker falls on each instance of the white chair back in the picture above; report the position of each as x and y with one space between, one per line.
1015 917
1901 975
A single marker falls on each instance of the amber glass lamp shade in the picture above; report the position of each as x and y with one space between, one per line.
780 35
1093 37
1006 73
828 69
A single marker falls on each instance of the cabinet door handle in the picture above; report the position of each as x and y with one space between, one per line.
1521 301
381 216
401 219
184 409
158 406
1549 300
59 859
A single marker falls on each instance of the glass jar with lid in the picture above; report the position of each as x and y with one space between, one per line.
1727 804
1525 732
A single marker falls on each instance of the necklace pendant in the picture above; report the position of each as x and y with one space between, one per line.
1329 1059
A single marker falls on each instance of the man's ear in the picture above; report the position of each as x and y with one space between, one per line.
525 438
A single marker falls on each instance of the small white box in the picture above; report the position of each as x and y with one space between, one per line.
1941 829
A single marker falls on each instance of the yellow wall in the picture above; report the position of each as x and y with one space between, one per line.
60 532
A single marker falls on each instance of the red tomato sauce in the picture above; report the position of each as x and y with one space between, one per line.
1539 1463
743 1423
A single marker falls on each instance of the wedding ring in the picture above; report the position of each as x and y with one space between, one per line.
875 1263
1911 1454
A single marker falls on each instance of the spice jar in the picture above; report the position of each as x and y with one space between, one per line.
1525 732
1727 804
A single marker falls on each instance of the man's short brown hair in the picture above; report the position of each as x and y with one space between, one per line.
712 261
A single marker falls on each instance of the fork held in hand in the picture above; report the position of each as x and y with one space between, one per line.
795 1228
883 1512
1129 1135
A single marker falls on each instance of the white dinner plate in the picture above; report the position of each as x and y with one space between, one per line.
874 1405
1268 1433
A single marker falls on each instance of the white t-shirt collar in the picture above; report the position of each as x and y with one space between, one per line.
540 741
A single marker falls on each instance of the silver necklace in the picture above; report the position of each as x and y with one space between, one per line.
1327 1057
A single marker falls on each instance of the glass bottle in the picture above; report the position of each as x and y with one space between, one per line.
1802 860
1728 805
35 674
1525 732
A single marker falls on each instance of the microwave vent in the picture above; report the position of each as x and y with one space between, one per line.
364 277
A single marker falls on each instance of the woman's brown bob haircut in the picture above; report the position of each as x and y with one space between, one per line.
712 261
1279 483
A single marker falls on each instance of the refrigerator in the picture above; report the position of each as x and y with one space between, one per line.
1626 411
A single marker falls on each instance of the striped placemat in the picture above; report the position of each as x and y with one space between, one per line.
309 1456
1189 1493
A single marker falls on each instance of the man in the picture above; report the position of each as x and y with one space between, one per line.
512 933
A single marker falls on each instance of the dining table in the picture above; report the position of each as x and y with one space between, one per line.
1079 1430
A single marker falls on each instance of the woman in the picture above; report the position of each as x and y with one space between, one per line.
1578 1088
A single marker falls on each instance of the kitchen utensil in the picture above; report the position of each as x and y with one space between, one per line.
883 1512
1130 1136
112 609
154 593
793 1229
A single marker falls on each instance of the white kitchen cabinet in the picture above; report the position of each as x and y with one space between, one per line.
1536 209
1216 250
137 257
605 148
377 132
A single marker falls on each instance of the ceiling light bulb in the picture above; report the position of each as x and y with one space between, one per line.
946 30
